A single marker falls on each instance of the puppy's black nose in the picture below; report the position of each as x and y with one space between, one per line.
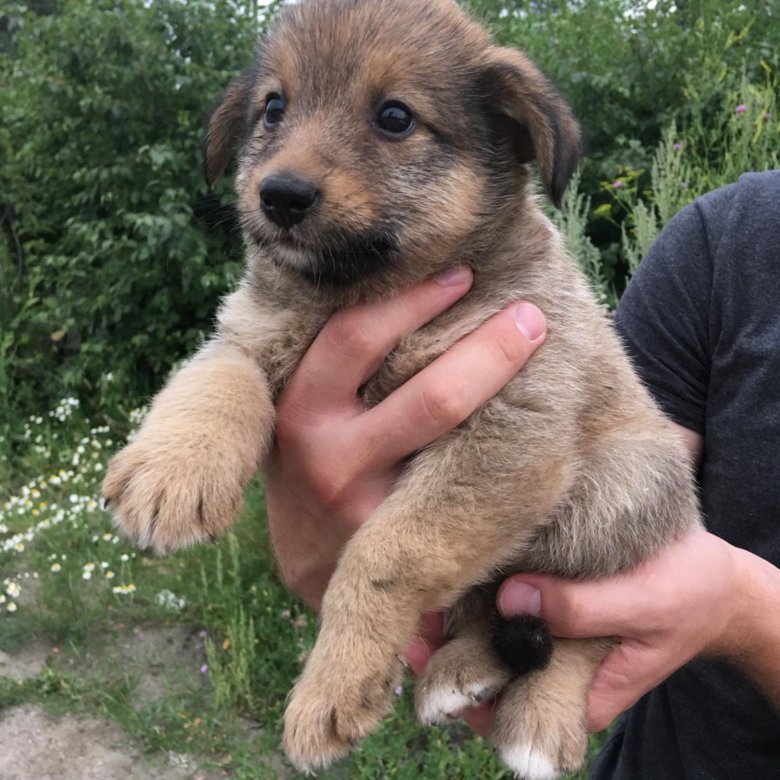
286 199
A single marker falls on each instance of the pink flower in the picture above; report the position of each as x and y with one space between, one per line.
740 109
617 185
204 668
677 147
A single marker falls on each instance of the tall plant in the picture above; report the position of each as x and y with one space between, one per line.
701 157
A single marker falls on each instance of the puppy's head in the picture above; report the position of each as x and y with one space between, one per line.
384 139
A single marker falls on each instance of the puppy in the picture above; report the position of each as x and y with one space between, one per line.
381 141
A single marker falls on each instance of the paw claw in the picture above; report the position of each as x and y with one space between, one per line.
166 501
325 720
459 677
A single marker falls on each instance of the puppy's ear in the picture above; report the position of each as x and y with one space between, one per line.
528 112
225 125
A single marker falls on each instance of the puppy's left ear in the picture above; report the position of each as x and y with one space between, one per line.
528 112
225 125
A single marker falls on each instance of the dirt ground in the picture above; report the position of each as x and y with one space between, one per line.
36 746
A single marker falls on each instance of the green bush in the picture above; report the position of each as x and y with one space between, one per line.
114 253
691 161
117 253
630 69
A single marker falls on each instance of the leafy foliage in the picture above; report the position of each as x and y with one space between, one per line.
744 137
114 254
117 254
630 68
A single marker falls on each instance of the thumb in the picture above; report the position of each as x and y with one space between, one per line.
572 609
628 671
550 598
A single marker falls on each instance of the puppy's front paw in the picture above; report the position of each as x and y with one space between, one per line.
333 707
539 734
462 674
171 495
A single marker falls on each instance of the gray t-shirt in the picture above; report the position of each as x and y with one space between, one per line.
701 321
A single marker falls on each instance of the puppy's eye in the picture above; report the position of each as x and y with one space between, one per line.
394 118
274 110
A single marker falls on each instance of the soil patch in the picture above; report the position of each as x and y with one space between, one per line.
37 747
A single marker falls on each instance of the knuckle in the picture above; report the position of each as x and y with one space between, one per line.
444 405
329 486
348 332
571 612
510 349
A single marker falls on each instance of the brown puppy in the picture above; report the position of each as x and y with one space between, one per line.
382 141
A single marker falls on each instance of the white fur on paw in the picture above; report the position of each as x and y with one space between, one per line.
444 704
529 764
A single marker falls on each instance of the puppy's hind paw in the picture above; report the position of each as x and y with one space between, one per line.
461 675
329 713
528 763
539 732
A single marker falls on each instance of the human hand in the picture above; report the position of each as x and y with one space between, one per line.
691 599
334 461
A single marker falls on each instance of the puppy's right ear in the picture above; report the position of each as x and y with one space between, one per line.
225 125
534 118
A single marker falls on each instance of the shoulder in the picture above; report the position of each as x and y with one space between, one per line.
747 211
717 229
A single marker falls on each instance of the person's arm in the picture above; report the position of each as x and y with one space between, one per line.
334 461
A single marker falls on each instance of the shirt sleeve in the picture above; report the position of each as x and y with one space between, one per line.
663 318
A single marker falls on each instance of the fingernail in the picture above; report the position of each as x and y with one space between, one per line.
530 321
453 276
518 598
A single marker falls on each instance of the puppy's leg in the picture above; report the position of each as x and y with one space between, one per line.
467 670
448 526
182 479
635 494
539 721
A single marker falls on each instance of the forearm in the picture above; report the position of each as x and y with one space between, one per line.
753 640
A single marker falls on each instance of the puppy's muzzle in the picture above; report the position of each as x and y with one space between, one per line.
286 199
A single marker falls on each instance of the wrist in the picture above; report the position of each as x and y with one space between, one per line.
751 639
737 608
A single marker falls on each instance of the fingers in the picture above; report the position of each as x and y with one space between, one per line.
455 385
429 639
584 610
355 341
617 685
417 655
480 719
648 598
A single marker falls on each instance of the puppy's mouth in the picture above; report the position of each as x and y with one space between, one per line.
340 260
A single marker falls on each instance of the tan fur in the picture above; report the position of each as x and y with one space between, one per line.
570 469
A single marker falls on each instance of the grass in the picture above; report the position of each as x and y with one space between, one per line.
68 581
